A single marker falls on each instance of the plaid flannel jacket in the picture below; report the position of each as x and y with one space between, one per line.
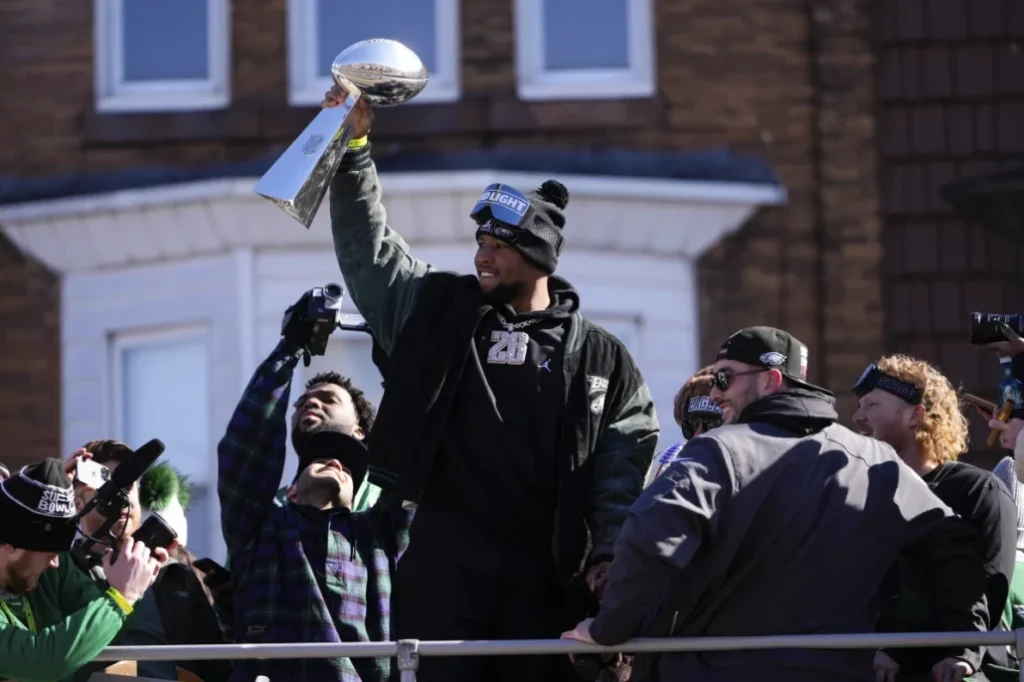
300 574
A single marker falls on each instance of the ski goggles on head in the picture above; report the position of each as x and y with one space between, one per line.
873 378
501 203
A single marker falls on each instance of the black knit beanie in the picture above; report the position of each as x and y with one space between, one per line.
539 235
37 508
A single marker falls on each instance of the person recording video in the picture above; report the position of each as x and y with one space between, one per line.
53 618
311 569
1010 348
168 606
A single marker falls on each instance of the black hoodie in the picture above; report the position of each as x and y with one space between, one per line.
782 523
498 462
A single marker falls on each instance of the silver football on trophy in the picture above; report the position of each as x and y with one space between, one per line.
384 72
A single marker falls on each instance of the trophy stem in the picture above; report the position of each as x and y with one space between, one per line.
299 179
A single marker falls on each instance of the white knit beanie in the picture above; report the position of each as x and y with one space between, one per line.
1007 472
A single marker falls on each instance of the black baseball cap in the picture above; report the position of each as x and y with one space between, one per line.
769 348
330 443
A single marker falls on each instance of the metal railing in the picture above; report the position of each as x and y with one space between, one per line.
409 651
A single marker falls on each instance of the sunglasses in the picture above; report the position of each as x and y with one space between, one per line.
723 377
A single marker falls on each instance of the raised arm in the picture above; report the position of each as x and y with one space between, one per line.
380 273
251 455
623 454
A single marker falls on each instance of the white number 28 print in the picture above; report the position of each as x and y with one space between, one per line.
509 348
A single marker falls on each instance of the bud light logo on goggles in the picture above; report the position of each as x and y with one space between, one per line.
502 203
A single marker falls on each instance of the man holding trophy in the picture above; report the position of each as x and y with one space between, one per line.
518 430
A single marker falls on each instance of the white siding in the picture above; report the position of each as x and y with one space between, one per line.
98 307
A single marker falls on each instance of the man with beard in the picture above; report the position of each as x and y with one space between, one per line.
910 405
310 569
150 622
333 402
781 522
519 430
53 619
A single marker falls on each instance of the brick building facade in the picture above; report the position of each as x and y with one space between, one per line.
790 81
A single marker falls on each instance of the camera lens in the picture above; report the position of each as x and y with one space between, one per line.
332 290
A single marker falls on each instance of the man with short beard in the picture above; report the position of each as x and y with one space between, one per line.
519 430
332 401
53 619
780 522
310 569
910 405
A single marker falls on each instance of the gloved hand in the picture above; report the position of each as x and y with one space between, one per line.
296 327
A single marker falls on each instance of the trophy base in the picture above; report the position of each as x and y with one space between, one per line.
299 179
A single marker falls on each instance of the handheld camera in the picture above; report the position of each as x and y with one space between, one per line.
986 327
155 532
322 312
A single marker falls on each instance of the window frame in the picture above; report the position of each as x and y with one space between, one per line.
535 82
120 341
307 88
114 95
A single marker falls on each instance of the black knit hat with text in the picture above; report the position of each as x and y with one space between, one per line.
37 508
539 235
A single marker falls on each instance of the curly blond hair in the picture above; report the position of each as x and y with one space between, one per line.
697 385
943 434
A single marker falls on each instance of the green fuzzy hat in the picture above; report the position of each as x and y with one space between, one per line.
162 484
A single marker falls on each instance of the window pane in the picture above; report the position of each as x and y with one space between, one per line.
200 518
165 40
165 395
344 22
586 34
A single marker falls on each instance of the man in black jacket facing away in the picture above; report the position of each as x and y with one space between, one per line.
781 522
519 430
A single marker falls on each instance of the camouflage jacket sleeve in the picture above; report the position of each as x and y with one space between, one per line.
380 274
623 453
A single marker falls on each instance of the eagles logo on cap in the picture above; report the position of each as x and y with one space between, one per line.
703 403
773 358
